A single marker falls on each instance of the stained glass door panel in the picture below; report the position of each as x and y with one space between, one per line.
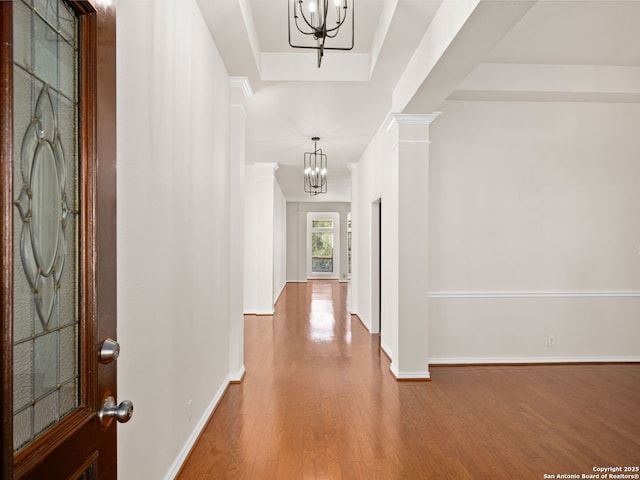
46 280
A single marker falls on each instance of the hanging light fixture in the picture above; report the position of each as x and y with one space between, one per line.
317 20
315 170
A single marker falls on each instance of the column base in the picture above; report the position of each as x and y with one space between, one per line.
238 376
423 376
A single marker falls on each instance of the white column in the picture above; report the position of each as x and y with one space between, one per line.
259 236
240 92
353 167
343 246
405 236
302 246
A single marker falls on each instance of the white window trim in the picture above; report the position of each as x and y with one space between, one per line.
335 217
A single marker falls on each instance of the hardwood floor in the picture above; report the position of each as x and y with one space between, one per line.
318 401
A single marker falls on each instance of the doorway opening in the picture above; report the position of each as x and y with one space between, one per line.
323 245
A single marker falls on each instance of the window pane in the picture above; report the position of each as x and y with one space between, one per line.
320 265
322 244
322 252
322 223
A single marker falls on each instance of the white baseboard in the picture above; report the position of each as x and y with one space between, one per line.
535 294
385 349
260 313
362 321
238 376
516 360
275 301
184 452
409 375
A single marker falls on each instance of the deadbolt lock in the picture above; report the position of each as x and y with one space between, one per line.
109 351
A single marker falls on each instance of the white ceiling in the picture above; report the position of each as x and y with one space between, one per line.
346 100
574 33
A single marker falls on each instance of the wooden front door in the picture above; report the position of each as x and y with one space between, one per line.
58 240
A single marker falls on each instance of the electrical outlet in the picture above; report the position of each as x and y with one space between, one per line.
551 341
189 409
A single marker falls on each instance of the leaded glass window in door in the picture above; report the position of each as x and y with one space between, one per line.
46 199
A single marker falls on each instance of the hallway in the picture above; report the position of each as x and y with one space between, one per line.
318 401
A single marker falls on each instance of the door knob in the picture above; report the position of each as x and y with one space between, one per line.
110 410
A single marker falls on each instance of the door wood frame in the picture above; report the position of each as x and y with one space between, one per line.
6 210
105 218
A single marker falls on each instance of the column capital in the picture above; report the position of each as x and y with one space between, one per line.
400 119
266 169
243 84
240 91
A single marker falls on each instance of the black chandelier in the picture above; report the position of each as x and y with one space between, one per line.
318 23
315 170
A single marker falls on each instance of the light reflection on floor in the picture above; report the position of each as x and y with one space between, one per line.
321 315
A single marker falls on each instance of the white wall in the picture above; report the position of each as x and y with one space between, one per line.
369 179
540 199
534 230
173 218
297 236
